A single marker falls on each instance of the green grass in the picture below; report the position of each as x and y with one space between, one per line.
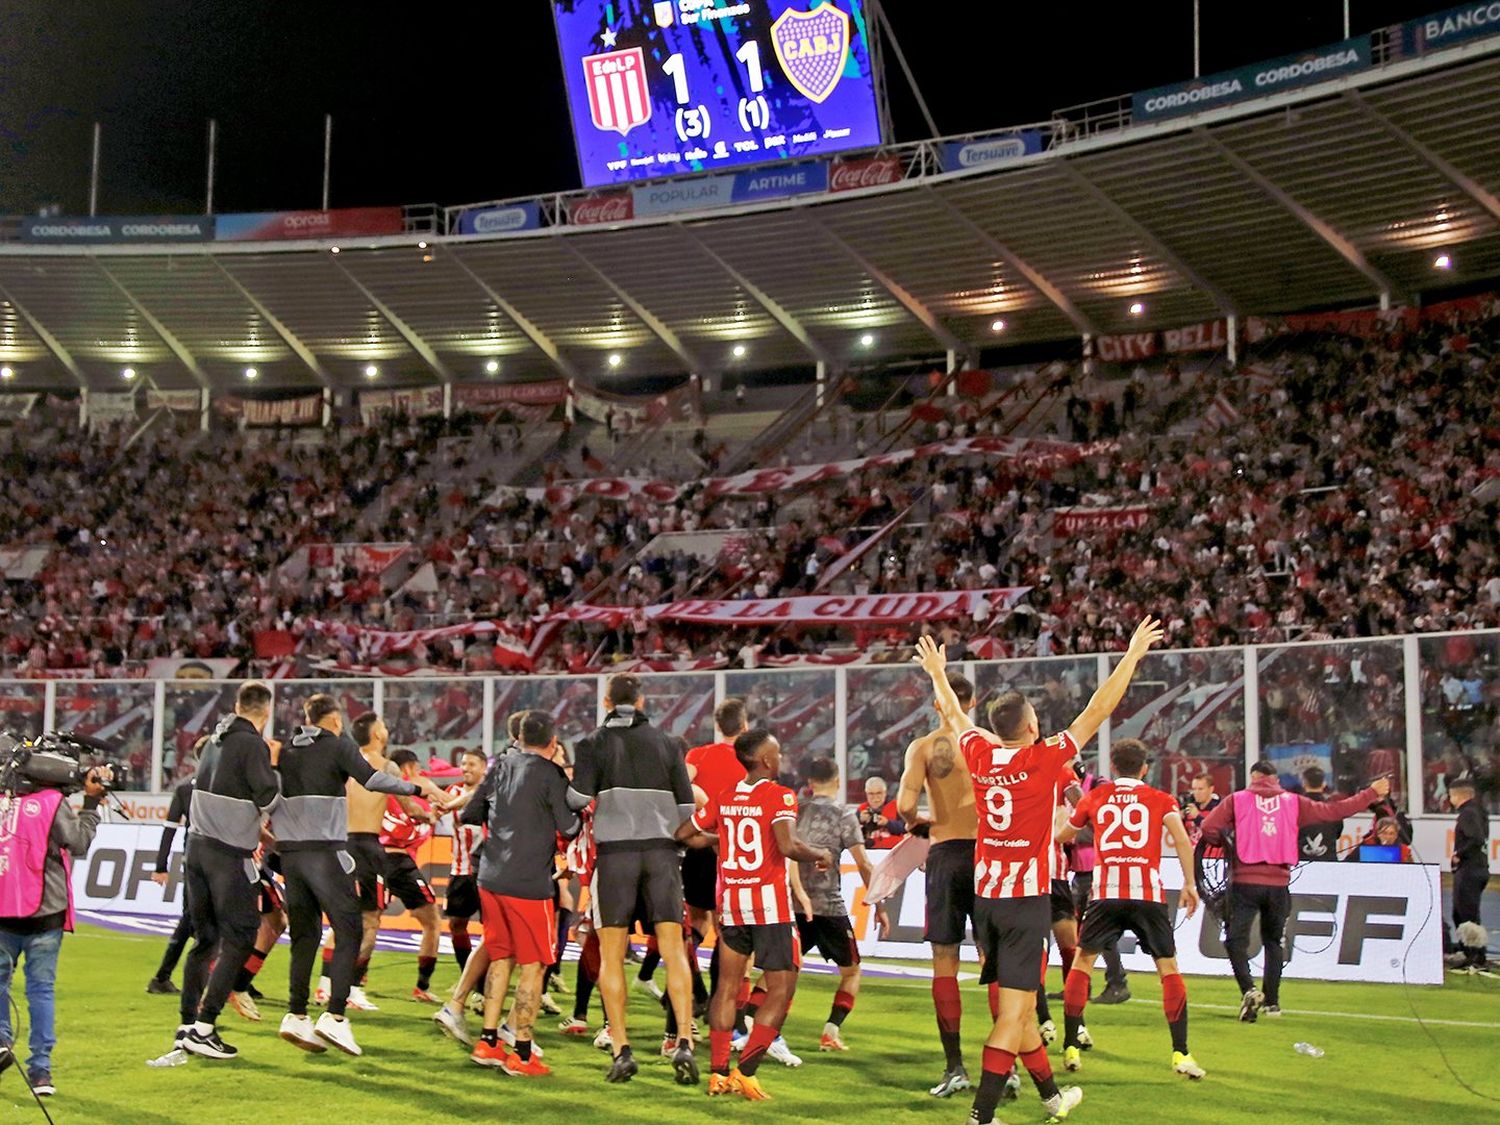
1374 1070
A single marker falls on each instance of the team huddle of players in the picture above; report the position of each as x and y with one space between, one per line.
761 870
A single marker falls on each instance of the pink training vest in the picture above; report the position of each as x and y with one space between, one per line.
24 830
1265 827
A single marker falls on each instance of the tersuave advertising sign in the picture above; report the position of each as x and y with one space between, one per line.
959 155
1232 86
503 219
119 228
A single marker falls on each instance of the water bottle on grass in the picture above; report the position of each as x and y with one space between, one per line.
1308 1049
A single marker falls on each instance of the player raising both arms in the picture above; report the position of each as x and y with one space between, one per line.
933 763
1015 776
1128 816
753 823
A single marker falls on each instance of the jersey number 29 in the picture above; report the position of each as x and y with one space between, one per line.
1122 826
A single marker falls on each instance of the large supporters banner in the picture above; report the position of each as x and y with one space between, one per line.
1211 335
872 609
415 402
482 396
1068 523
181 402
270 226
304 411
375 643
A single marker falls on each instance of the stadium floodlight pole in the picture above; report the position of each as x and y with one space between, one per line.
94 174
213 143
327 154
877 11
1346 19
1197 40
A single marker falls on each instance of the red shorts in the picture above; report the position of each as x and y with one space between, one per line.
521 928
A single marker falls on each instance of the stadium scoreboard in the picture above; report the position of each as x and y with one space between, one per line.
669 87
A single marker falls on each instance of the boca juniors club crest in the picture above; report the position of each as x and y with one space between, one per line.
813 48
619 99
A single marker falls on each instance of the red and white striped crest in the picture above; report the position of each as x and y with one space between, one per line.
619 99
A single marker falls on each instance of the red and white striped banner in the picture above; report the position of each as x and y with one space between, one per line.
813 609
1070 522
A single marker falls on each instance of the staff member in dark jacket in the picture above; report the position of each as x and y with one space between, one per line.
235 787
312 832
523 800
179 813
40 836
638 775
1471 873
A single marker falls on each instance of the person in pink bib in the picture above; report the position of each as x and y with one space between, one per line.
1261 824
40 836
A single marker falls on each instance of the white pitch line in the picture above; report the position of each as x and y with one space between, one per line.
1340 1015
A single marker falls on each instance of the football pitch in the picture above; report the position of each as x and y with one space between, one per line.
1381 1064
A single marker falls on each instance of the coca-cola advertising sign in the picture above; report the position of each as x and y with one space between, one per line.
877 171
618 207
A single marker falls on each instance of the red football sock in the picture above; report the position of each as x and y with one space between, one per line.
999 1062
718 1045
1076 993
743 996
327 958
994 1001
1040 1069
1174 1002
843 1004
1067 953
762 1035
946 1000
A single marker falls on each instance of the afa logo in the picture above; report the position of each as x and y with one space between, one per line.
813 49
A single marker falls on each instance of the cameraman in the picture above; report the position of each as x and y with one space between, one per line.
40 836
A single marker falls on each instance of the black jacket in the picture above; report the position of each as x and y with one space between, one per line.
639 776
1471 838
234 787
314 811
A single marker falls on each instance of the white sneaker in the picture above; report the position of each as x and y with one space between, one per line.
359 1001
508 1037
1065 1103
338 1032
321 993
548 1005
779 1051
299 1032
1085 1040
647 988
738 1041
1049 1032
453 1025
603 1041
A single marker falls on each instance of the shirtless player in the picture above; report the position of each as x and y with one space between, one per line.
933 763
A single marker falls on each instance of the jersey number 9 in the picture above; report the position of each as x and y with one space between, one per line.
998 807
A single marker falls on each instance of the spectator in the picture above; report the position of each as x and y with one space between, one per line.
878 819
1318 841
1202 801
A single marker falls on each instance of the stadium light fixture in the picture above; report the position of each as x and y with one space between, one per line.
740 351
7 372
615 359
251 373
997 326
867 341
371 371
1136 308
492 367
128 374
422 245
1442 262
333 249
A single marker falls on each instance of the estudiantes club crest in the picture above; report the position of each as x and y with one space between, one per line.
813 48
619 98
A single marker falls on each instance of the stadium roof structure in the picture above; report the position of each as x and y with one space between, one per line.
1343 193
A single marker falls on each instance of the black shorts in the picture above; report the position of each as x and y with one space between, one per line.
1062 901
950 891
1107 918
1011 934
621 878
774 946
832 935
700 878
463 897
403 880
269 893
369 871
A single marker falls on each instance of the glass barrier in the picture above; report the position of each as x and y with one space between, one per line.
193 710
1340 708
572 701
1189 709
798 707
23 707
435 718
120 712
888 707
683 704
1460 678
1057 687
354 697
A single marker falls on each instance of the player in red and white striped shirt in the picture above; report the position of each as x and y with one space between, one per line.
463 883
1015 775
754 823
1128 817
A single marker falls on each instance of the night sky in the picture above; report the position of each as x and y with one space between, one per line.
458 103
